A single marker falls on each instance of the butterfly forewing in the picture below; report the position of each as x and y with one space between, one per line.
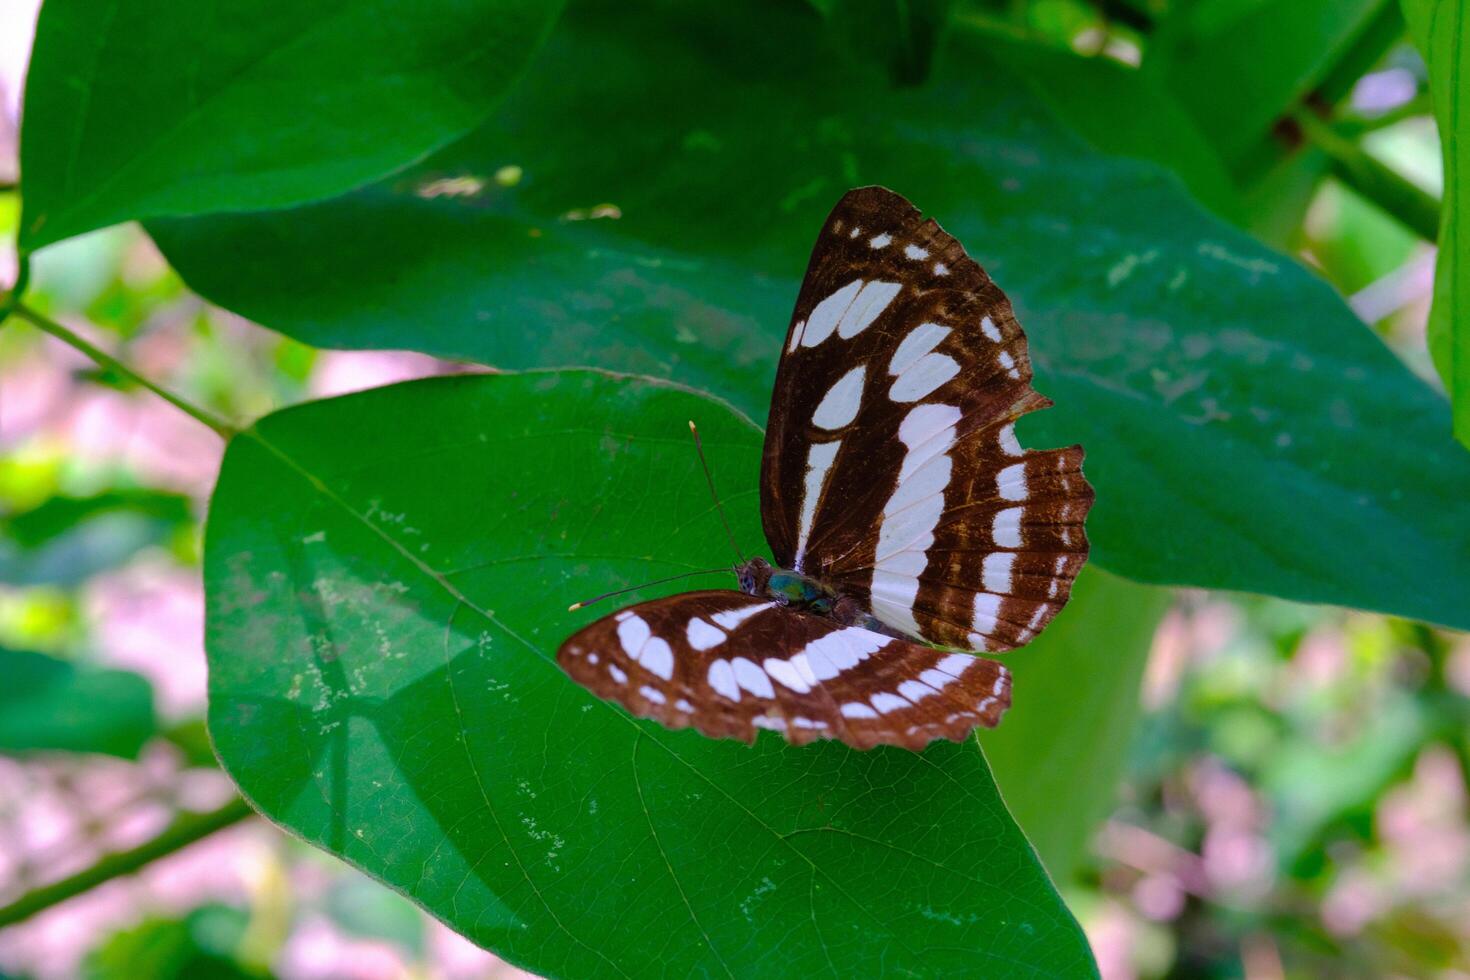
892 471
731 664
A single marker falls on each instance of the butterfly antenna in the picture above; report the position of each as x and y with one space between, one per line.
699 448
634 588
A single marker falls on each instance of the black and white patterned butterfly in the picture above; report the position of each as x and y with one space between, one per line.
902 514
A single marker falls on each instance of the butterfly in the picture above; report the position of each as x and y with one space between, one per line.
908 526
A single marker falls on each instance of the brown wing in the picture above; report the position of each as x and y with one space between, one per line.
891 468
731 664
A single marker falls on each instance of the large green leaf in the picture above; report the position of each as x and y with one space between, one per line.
388 576
52 705
1243 429
1067 736
140 108
1439 29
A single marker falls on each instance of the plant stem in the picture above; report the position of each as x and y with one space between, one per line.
105 360
185 830
12 299
1412 207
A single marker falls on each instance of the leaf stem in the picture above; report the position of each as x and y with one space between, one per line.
105 360
185 830
1356 167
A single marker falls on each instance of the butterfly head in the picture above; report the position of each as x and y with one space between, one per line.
754 575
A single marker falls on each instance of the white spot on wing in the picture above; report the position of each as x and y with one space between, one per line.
987 608
819 459
633 632
722 679
915 691
823 321
1010 483
840 405
1006 528
1009 444
989 329
955 664
918 342
996 571
872 301
658 658
915 252
880 240
842 650
617 673
887 703
653 694
731 618
752 678
702 636
935 678
787 675
796 332
912 513
940 269
856 709
923 378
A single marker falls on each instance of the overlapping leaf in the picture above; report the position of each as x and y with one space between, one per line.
53 705
388 576
1243 429
1440 31
140 108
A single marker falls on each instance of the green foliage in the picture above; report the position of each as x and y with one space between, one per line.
198 946
1243 429
902 34
134 110
1439 30
52 705
1061 749
388 576
1241 65
67 539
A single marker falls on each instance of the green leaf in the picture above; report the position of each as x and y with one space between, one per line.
68 539
1124 112
902 34
1439 29
1241 65
202 944
387 580
1065 741
52 705
1244 430
140 108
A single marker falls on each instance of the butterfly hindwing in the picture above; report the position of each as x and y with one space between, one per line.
891 470
731 664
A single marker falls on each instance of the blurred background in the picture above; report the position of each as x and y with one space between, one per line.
1295 800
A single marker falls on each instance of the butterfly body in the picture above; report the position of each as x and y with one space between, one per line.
759 577
905 519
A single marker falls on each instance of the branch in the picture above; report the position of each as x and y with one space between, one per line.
107 361
1407 203
185 830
